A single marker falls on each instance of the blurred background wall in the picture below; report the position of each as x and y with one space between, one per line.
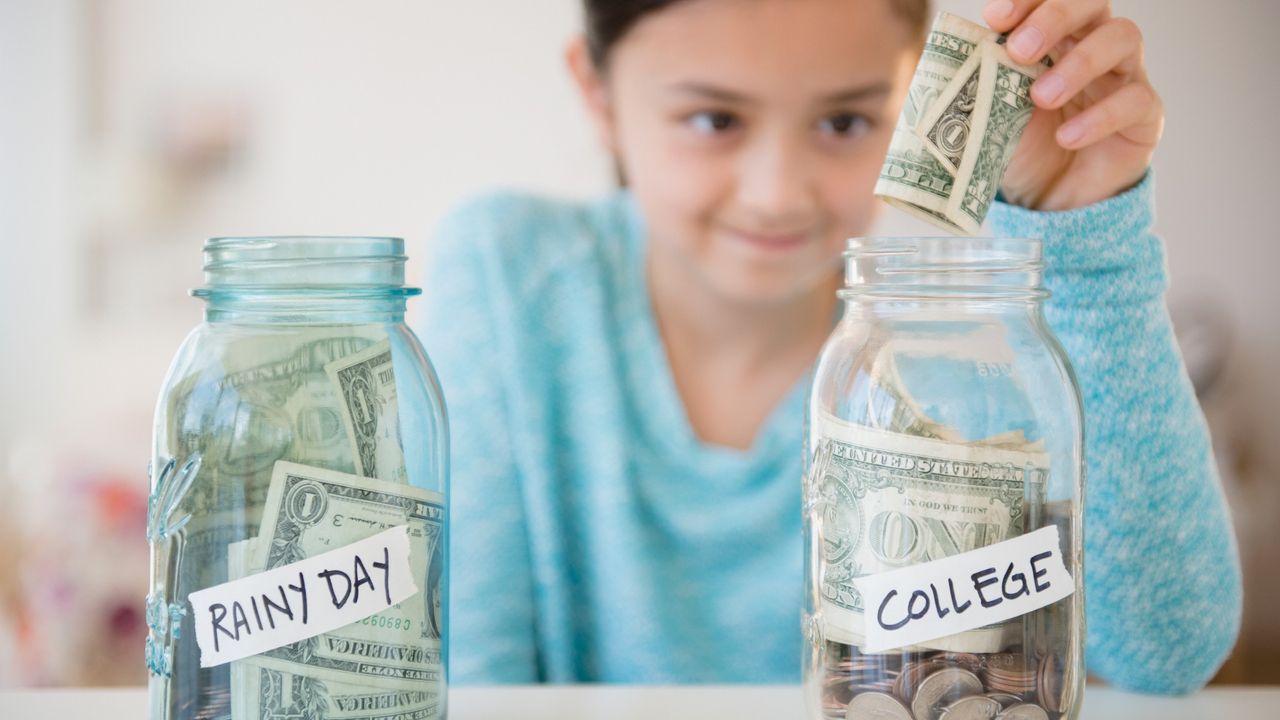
131 130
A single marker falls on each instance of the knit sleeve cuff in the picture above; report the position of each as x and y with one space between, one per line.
1107 241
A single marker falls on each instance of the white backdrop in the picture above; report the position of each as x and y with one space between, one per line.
336 117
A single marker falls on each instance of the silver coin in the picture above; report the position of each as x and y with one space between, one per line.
1005 699
1049 683
941 689
976 707
1024 711
876 706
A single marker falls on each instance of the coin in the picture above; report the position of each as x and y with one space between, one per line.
852 676
884 686
932 685
913 673
941 689
1005 699
876 706
1024 711
1049 683
1006 661
974 707
836 691
1011 673
968 661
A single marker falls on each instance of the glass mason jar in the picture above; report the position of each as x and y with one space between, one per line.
943 492
300 432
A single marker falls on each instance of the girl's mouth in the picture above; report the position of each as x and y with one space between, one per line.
770 241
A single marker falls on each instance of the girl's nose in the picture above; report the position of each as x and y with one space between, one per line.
775 181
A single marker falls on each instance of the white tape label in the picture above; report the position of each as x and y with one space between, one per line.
965 591
303 599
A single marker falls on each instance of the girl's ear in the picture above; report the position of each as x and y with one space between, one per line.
594 89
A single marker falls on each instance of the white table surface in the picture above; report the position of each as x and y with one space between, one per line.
615 702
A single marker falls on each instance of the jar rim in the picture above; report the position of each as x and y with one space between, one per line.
289 262
220 239
943 267
1023 253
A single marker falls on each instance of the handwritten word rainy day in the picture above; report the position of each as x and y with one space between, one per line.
300 600
265 613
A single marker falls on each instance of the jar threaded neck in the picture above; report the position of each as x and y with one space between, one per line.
946 268
315 262
304 279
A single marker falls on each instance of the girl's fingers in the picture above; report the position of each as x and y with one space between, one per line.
1134 111
1115 47
1104 87
1038 25
1004 15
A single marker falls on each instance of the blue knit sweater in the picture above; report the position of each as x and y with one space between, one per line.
596 538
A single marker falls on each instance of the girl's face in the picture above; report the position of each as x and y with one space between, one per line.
751 133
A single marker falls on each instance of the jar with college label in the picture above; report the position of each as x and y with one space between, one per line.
298 508
943 492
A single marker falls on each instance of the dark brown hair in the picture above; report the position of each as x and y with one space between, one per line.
607 21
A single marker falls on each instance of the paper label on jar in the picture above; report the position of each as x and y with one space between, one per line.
300 600
885 499
964 592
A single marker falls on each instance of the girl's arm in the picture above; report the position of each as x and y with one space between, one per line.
1162 573
491 606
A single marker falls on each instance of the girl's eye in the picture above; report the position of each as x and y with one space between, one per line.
713 122
845 125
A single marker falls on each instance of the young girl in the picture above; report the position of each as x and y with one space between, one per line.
626 378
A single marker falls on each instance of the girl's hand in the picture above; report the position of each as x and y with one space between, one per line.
1097 119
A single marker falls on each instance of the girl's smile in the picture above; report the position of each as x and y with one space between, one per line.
771 242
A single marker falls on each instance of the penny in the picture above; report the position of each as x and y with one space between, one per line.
968 661
1006 661
872 683
1011 676
941 689
837 692
876 706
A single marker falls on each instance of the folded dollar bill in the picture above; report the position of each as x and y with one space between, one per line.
965 111
366 383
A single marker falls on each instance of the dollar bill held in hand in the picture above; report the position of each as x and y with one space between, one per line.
366 383
886 500
965 112
310 511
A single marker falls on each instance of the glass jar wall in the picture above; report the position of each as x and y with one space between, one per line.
943 492
299 419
